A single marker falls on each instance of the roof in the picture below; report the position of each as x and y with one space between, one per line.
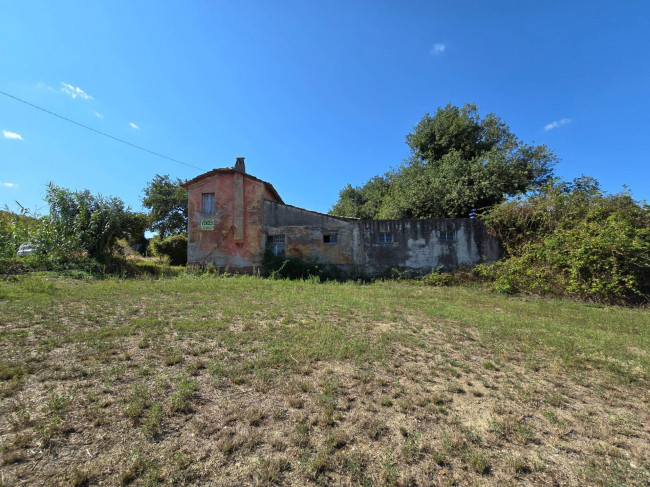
335 217
230 170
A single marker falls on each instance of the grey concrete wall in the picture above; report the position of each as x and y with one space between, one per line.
278 214
417 245
304 230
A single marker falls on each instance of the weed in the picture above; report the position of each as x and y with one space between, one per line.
386 402
153 422
20 417
411 448
374 428
11 372
270 470
478 462
318 464
47 430
389 474
79 477
172 357
517 465
356 463
336 440
181 399
301 432
137 402
295 402
254 416
489 366
56 405
229 443
181 473
438 457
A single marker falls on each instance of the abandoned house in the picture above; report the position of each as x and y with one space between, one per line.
234 218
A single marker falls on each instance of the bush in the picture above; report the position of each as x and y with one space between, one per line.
15 229
573 239
81 222
280 267
463 275
67 266
174 247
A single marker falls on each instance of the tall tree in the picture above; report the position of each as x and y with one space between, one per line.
166 201
362 202
460 164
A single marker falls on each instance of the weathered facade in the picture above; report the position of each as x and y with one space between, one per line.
234 218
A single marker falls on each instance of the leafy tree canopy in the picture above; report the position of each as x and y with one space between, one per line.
166 201
460 164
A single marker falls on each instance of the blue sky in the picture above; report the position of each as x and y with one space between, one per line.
315 95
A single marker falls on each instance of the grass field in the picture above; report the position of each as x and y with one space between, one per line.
245 381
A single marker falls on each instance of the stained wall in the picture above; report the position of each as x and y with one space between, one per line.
418 245
248 210
304 231
235 241
415 245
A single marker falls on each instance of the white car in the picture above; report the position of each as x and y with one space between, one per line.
26 249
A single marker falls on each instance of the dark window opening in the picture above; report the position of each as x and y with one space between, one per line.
275 244
385 237
331 238
447 236
207 203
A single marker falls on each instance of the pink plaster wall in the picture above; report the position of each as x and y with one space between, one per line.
241 248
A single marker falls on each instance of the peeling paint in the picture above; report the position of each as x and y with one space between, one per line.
248 209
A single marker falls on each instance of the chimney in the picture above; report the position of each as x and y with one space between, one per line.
240 166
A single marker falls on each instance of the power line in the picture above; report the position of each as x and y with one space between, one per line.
100 132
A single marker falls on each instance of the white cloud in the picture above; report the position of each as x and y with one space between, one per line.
43 86
10 185
98 115
134 125
437 49
75 91
12 135
555 124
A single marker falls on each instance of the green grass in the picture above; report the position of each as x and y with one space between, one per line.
308 322
298 382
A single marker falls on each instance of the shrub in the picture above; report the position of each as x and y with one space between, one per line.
174 247
573 239
81 222
15 229
280 267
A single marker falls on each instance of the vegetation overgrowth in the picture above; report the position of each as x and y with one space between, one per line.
173 247
574 240
205 378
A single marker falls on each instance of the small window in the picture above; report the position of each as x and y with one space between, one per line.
447 236
275 244
207 204
332 238
385 237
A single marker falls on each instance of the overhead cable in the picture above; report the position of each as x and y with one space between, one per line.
100 132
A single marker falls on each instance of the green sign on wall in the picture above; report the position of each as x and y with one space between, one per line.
207 224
